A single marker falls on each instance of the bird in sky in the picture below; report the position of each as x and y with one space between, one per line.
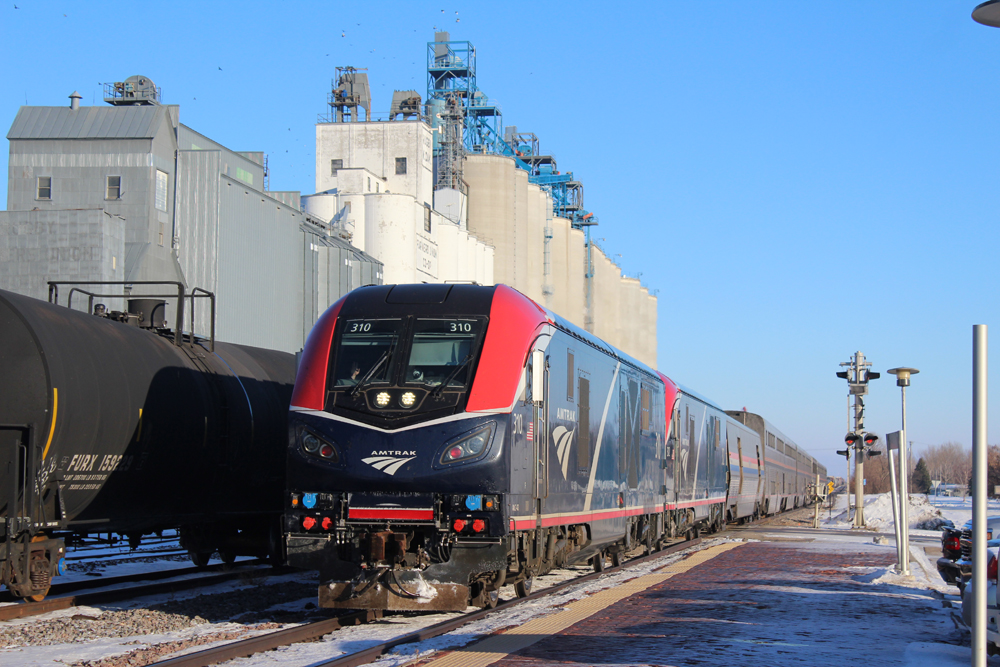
220 69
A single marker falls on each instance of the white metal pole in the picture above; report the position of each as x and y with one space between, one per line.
848 485
895 507
904 496
979 387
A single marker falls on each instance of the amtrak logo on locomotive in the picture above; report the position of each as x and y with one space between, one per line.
387 463
563 439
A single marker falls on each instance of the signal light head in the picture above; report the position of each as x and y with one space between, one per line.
852 439
871 439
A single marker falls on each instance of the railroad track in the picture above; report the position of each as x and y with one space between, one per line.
129 555
62 598
313 631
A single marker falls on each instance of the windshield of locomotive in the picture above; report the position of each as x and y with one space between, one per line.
365 353
442 351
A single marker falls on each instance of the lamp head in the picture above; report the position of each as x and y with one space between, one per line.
903 375
987 13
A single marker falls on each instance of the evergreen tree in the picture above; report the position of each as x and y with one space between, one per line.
921 477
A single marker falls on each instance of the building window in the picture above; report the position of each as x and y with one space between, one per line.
376 187
369 184
161 190
427 218
114 189
335 165
44 187
400 165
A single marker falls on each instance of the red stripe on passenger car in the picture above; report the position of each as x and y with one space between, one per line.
382 513
514 323
310 379
581 517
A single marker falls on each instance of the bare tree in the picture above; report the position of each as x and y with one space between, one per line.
950 462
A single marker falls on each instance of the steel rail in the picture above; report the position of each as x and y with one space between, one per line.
26 609
247 647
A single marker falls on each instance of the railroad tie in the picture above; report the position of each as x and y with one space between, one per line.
495 647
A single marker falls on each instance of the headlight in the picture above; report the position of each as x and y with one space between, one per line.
310 443
468 447
382 399
408 399
317 446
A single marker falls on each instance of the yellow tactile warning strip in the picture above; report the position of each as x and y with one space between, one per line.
496 647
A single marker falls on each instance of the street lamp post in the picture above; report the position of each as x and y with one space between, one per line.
903 381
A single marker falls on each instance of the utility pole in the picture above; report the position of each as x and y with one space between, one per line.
858 374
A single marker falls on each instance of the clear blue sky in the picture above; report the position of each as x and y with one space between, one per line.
799 180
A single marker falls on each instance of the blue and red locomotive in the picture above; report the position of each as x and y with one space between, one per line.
446 440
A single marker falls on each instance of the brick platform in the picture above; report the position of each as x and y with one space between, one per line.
757 604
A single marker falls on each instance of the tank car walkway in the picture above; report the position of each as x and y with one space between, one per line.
736 603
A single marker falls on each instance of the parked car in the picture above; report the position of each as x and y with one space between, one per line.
992 602
955 564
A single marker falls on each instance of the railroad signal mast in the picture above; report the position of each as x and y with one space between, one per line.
858 374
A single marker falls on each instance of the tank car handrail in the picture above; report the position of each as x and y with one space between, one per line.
181 296
54 295
211 298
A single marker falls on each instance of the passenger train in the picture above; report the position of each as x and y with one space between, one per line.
446 440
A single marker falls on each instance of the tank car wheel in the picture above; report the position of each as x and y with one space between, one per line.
228 557
37 587
523 587
616 559
491 598
598 562
200 558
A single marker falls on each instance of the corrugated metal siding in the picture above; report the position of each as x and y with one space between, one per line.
133 122
260 270
312 246
232 162
38 246
197 217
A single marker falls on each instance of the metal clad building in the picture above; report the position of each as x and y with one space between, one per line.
128 193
